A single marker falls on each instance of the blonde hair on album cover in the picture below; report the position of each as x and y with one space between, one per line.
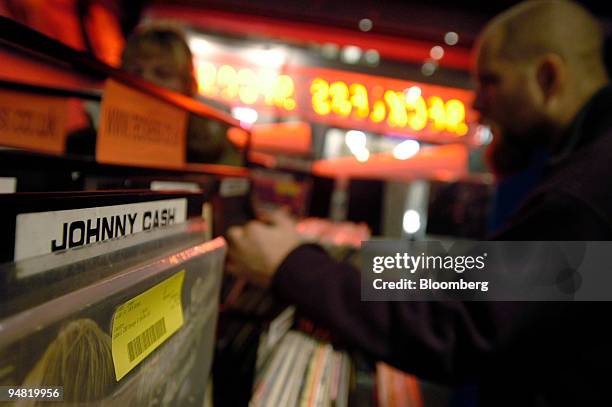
80 360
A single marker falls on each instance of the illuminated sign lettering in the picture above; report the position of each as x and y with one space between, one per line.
343 99
246 85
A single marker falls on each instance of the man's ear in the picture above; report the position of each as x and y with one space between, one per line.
550 75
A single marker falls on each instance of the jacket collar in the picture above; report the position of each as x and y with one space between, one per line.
589 123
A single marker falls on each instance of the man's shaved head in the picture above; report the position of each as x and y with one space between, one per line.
535 28
537 65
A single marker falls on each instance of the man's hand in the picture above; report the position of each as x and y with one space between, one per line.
257 249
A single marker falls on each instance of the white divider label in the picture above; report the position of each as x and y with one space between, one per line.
8 185
47 232
174 186
231 187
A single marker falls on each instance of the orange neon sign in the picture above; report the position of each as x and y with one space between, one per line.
246 85
343 99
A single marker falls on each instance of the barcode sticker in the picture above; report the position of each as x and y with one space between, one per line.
146 339
145 322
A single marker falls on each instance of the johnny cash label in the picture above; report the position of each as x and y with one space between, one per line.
48 232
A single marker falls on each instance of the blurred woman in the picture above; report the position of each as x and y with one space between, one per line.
161 56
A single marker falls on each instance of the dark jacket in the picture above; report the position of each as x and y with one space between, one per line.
521 353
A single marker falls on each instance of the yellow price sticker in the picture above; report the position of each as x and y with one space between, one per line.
142 324
287 188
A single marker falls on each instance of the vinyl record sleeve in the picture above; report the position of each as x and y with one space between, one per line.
66 340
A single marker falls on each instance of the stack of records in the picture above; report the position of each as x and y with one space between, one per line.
396 388
342 240
303 372
251 324
330 233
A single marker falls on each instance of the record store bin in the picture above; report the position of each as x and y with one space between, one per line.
110 266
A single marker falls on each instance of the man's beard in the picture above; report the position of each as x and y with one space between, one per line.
512 152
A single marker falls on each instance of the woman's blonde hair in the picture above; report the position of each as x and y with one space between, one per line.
169 40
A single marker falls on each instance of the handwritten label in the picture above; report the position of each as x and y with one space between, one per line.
32 122
145 322
137 129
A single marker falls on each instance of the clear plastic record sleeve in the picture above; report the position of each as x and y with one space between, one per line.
73 338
